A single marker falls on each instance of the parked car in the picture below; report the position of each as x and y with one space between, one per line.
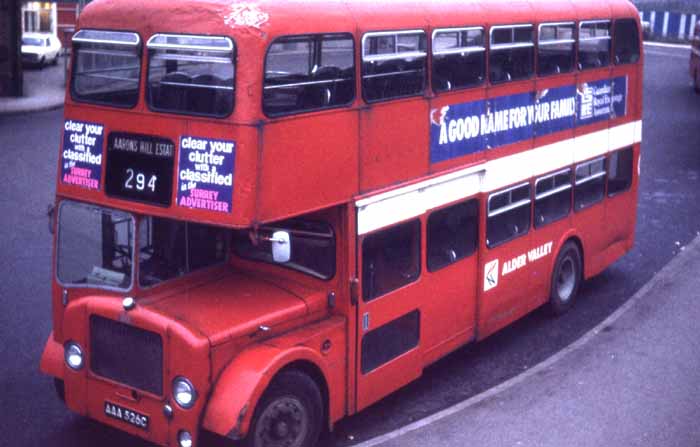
40 49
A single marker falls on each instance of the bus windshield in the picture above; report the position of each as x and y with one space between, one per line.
96 247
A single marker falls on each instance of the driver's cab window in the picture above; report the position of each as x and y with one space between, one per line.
169 248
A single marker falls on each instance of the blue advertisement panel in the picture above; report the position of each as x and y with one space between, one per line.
555 110
509 119
457 130
205 174
619 97
595 101
81 163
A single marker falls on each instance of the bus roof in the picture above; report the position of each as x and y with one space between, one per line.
274 18
293 165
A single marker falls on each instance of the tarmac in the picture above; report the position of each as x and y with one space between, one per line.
44 89
633 380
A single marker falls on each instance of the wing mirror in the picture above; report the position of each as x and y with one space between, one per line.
281 247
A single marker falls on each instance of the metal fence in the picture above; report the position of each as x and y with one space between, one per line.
670 25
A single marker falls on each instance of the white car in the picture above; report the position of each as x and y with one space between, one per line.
40 48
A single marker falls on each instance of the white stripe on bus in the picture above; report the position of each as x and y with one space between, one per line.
388 208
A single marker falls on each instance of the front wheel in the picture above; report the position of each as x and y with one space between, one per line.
566 279
289 414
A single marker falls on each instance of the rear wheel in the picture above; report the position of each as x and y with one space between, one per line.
566 279
289 414
696 82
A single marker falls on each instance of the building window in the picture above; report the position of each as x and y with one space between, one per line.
512 53
453 234
552 197
459 58
393 64
590 183
390 259
508 215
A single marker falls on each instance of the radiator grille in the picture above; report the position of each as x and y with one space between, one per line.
126 354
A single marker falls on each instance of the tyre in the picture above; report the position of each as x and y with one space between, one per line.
42 62
696 82
60 388
566 279
289 414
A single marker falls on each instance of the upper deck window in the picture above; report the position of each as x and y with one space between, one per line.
393 64
190 74
106 67
555 53
308 73
512 53
626 41
459 58
594 44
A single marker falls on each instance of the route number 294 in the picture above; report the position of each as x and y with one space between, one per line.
140 181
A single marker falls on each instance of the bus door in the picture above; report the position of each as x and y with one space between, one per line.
506 285
389 315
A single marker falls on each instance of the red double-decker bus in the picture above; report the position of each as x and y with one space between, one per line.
271 215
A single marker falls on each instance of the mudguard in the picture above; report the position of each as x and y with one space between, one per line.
239 387
52 358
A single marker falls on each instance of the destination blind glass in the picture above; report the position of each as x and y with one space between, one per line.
140 168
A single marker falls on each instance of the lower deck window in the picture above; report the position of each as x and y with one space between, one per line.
552 197
590 183
452 234
620 171
390 259
387 342
508 215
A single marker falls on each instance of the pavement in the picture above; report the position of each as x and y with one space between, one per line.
633 380
44 89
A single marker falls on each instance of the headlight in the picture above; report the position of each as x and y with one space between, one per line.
184 438
73 355
184 392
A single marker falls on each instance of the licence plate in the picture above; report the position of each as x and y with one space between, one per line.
124 414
